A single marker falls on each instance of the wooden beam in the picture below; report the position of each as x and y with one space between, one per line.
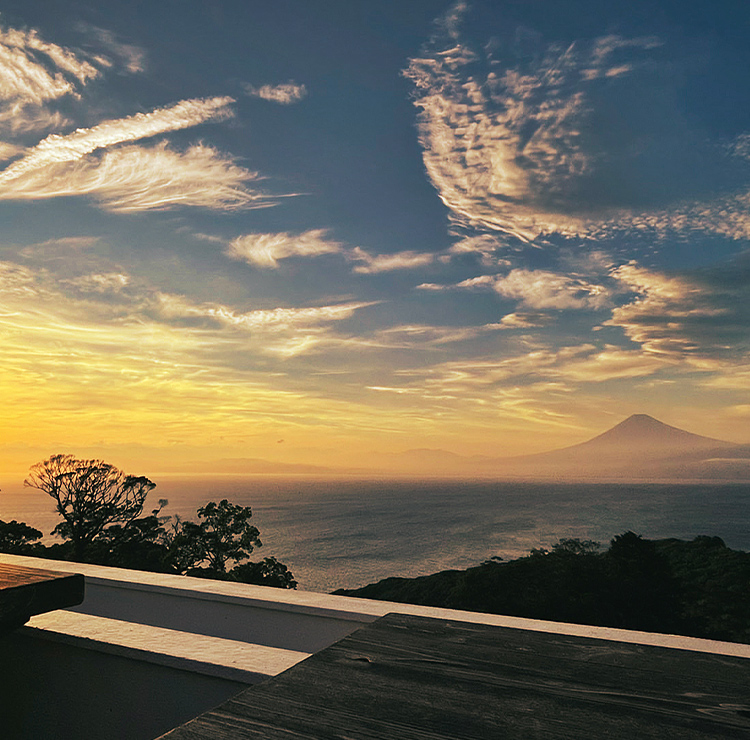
25 592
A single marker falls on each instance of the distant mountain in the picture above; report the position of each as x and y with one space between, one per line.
249 466
643 432
640 435
639 447
427 461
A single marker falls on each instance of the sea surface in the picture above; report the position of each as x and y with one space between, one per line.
348 533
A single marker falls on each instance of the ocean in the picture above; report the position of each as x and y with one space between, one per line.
347 533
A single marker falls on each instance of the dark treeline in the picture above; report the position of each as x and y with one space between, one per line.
698 588
101 522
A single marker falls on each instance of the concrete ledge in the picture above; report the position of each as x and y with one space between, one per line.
209 656
298 621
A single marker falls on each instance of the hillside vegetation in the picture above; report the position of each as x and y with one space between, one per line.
699 588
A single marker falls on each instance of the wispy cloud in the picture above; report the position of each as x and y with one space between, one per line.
421 335
373 264
265 250
9 151
56 149
519 143
132 56
524 320
485 245
537 289
677 317
33 72
107 162
285 94
136 178
276 319
541 289
558 370
102 283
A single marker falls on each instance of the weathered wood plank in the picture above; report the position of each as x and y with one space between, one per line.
25 592
414 678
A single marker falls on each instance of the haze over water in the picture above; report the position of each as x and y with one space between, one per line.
347 533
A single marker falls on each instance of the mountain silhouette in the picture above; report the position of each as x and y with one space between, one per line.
639 447
644 433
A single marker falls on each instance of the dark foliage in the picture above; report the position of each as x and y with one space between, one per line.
267 572
698 588
223 534
101 508
16 538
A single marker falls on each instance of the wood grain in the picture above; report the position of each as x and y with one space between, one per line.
413 678
25 592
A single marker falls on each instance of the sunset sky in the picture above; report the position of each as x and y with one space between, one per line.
315 231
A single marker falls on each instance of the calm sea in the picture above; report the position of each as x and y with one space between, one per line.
338 533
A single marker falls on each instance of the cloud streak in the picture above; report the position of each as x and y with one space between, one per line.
373 264
107 162
276 319
679 318
56 149
265 250
133 57
537 289
284 94
135 178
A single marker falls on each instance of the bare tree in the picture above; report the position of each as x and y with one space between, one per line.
89 495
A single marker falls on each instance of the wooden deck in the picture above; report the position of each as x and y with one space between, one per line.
413 678
25 592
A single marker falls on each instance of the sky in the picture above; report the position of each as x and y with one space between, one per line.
317 232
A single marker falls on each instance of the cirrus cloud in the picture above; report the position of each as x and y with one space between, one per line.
524 143
265 250
275 319
285 94
34 72
681 318
372 264
104 162
537 289
136 178
56 149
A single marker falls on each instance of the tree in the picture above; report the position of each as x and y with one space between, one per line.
101 507
89 495
224 534
140 544
267 572
644 594
575 546
16 538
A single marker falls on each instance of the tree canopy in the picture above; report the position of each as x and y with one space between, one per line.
88 495
101 523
